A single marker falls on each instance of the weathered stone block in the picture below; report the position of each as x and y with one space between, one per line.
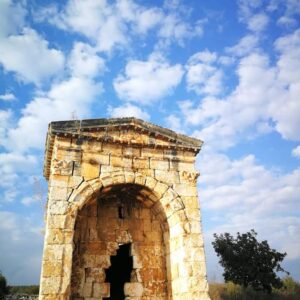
140 163
133 289
159 164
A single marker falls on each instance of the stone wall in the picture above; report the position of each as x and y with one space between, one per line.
94 173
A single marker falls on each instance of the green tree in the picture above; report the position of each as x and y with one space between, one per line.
248 262
3 286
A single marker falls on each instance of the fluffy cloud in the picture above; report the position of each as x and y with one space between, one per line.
203 76
113 25
245 46
291 12
20 256
84 61
35 62
8 97
296 151
148 81
74 94
128 110
241 194
256 106
5 120
12 17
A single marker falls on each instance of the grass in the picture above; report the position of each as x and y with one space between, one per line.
231 291
24 289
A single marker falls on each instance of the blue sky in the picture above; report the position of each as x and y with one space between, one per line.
227 72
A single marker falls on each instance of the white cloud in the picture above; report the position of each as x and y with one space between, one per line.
147 81
148 19
27 201
112 25
245 46
203 76
296 152
255 106
12 166
8 97
128 110
12 17
20 255
75 94
20 54
174 123
291 13
174 28
242 194
84 61
286 112
258 22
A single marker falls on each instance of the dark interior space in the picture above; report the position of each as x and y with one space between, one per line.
119 272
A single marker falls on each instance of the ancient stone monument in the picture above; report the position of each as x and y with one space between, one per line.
123 219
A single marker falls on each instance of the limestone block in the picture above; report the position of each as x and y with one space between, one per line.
139 179
167 176
118 178
140 163
58 193
101 289
106 180
152 152
137 262
145 172
123 237
107 170
160 188
169 195
67 153
179 165
63 141
59 181
150 182
90 169
109 148
50 285
56 221
185 190
87 289
133 289
76 168
159 164
53 252
62 167
129 176
191 202
58 207
96 261
121 161
59 236
52 268
132 151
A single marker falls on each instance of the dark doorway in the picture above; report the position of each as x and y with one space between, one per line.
119 272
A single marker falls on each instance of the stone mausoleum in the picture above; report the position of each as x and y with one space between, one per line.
123 218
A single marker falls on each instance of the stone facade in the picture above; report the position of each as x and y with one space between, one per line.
116 184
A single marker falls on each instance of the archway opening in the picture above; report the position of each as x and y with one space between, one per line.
119 272
121 236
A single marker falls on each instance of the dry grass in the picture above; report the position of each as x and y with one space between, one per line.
230 291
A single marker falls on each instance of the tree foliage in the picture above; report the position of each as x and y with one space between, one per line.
3 286
248 262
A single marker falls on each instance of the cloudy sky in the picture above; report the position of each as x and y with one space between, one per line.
227 72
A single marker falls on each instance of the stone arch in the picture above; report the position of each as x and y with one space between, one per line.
163 201
160 194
